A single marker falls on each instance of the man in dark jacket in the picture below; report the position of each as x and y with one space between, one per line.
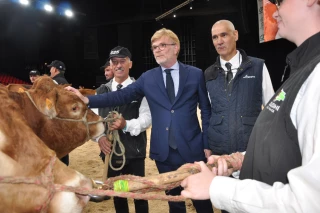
238 86
131 126
57 69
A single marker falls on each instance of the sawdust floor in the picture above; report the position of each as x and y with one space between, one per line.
86 160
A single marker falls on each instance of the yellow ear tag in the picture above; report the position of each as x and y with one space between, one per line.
49 104
20 90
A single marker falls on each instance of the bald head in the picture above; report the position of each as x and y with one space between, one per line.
224 38
228 24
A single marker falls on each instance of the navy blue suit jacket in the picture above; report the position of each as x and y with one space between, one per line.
191 141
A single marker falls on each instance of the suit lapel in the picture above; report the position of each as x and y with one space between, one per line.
183 75
158 78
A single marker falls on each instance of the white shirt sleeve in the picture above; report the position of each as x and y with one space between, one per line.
302 193
140 124
267 88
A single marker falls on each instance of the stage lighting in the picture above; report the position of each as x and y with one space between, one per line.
24 2
68 13
48 7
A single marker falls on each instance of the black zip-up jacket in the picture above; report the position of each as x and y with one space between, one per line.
273 148
60 79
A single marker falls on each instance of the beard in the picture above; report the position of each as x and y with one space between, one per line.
161 60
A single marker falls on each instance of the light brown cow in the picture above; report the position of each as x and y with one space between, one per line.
23 154
18 87
86 92
57 116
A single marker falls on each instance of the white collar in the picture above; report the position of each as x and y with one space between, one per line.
124 84
235 61
174 67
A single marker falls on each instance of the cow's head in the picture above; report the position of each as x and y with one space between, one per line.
59 117
24 155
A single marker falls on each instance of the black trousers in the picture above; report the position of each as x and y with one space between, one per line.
132 167
173 162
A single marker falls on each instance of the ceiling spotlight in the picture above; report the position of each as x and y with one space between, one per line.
24 2
68 13
190 6
48 7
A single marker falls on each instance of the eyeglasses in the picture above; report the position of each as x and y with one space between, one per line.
116 62
160 46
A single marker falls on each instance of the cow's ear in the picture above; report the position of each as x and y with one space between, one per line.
50 109
21 90
49 104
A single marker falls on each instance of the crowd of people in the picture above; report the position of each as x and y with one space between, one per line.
272 137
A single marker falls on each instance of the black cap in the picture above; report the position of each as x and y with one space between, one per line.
105 65
58 64
120 52
34 72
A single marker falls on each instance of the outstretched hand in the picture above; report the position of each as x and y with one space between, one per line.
197 186
75 91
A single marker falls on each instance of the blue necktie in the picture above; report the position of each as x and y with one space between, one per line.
170 85
171 94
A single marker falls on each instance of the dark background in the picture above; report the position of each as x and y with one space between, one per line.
29 37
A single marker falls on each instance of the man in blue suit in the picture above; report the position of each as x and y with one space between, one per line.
173 91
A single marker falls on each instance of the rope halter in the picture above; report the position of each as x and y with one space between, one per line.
83 119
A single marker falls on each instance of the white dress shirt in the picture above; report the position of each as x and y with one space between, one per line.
302 193
267 88
137 125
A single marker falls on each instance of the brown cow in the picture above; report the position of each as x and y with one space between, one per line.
86 92
57 116
24 155
18 87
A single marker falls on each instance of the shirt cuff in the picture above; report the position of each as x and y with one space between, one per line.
222 191
127 127
98 138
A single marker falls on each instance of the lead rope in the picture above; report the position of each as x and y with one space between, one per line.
114 138
45 180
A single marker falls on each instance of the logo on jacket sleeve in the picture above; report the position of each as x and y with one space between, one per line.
274 105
